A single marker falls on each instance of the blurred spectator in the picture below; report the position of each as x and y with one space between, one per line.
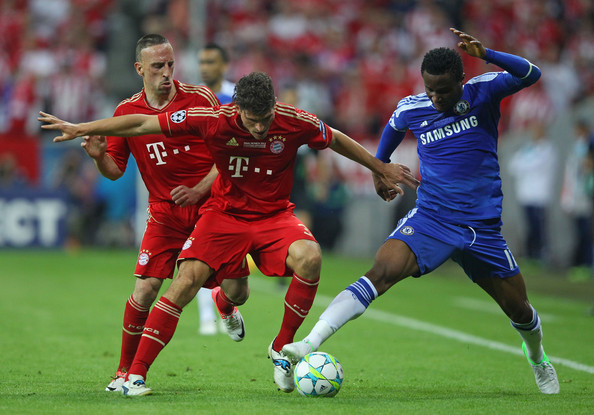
10 175
533 168
329 195
349 61
577 202
77 176
529 106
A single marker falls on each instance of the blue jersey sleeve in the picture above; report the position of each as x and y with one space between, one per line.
526 72
391 137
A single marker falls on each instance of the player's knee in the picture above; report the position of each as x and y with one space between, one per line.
383 275
236 290
193 274
311 263
146 291
306 260
518 311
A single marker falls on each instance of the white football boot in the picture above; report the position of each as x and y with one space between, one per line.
233 322
283 370
296 351
544 373
135 386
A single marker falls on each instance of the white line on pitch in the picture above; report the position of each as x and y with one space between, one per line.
413 324
490 307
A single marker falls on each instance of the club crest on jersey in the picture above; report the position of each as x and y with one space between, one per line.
144 257
178 116
407 230
462 107
188 243
277 144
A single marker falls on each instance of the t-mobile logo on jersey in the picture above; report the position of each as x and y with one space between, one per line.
157 150
239 165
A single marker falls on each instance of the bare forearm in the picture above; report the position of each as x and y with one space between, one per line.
349 148
108 168
207 181
123 126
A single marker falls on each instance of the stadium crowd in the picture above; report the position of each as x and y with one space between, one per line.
350 62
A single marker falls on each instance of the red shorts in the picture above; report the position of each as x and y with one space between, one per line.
167 228
222 241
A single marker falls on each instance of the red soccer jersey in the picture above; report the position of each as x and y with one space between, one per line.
255 176
163 163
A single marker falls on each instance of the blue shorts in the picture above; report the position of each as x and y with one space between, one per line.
478 248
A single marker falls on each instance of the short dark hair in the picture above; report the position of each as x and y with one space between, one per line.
440 61
148 41
215 46
255 93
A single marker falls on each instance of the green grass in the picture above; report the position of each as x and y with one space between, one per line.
61 317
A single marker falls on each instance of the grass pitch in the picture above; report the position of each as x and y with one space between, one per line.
437 345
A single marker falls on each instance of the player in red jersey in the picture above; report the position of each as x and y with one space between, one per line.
254 142
178 176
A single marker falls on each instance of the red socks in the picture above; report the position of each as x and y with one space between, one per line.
158 331
134 318
224 305
298 301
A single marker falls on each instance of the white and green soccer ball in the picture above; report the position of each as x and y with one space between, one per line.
318 374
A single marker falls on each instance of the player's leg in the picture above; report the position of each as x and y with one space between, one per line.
136 312
408 251
394 261
304 258
490 264
230 294
156 262
162 322
510 294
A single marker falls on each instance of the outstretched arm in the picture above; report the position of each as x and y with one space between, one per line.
389 174
122 126
517 66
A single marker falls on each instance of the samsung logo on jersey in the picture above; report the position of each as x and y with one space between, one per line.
449 130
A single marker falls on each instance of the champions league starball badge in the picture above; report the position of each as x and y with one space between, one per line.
461 107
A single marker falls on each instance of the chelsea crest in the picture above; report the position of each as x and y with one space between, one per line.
461 107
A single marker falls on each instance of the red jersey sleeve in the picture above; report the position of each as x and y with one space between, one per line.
323 140
192 121
117 147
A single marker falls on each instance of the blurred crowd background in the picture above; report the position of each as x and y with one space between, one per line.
349 62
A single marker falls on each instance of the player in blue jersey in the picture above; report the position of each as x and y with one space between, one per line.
213 61
458 209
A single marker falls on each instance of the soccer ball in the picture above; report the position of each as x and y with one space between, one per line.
318 374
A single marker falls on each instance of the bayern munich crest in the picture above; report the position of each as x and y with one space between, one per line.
277 144
143 258
461 107
178 116
187 244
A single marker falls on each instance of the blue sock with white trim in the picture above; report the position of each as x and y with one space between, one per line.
531 333
346 306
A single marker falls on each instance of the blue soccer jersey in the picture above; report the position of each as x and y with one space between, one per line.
457 149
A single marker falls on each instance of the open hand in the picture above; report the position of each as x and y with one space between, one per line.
69 131
94 145
387 184
470 44
184 196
